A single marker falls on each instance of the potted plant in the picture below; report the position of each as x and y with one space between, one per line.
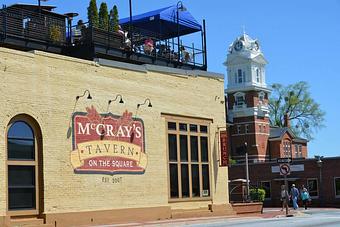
55 34
258 195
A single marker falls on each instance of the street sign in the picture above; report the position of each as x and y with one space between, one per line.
284 160
284 169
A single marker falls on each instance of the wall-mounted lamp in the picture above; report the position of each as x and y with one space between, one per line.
117 96
219 98
88 96
146 100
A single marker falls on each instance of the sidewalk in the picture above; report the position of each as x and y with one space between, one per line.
267 213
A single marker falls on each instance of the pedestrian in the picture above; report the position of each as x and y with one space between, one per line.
305 196
294 194
284 197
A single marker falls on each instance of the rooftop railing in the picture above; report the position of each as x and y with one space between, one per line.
139 42
31 25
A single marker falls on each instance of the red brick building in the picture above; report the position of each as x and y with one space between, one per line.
248 112
249 132
322 179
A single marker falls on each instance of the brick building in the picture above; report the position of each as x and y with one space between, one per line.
247 108
97 141
322 179
249 131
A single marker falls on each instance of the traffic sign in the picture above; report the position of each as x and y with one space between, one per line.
284 160
284 169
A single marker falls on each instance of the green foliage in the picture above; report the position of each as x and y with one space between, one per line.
295 100
114 19
232 161
257 194
103 16
92 14
55 33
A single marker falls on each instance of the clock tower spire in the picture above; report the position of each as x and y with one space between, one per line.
247 95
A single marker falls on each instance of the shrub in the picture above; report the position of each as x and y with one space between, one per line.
92 13
114 19
257 194
55 33
103 16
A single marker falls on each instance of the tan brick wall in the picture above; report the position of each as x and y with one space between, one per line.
44 86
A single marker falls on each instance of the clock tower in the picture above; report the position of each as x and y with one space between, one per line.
247 94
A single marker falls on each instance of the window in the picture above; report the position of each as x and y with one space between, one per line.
312 186
261 97
337 187
297 151
239 101
239 129
286 148
246 128
257 75
239 76
260 127
22 167
188 150
264 128
300 151
266 186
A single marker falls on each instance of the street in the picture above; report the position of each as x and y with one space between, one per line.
271 217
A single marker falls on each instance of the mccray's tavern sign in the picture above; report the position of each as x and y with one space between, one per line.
107 144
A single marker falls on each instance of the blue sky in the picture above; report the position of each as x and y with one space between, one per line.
300 39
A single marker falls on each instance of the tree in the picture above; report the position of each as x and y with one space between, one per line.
114 19
302 111
92 14
103 16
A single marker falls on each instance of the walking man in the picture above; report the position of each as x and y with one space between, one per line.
284 196
294 194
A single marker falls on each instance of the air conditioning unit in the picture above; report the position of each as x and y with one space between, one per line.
205 193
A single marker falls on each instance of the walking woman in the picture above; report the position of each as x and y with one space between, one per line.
305 197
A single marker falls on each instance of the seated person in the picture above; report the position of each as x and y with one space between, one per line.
162 50
148 46
185 55
121 31
127 41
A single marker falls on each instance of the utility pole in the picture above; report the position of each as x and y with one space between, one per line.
247 170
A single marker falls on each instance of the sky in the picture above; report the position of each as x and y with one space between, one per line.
300 40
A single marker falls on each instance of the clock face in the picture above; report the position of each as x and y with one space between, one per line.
238 45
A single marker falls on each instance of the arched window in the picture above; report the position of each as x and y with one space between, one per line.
23 168
20 142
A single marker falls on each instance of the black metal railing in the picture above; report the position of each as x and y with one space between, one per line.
137 43
32 25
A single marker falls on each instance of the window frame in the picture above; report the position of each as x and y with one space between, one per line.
317 187
238 128
189 162
240 76
36 163
335 195
246 128
258 76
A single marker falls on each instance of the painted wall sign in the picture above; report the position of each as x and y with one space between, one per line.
107 143
224 149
